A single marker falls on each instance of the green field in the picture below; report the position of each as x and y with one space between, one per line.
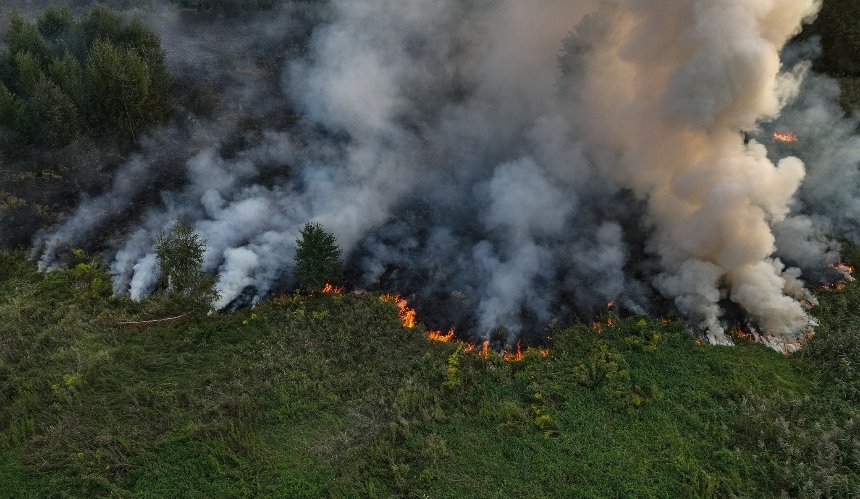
331 396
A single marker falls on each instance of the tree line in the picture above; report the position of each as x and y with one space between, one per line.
63 77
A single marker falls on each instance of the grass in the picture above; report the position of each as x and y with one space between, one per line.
330 396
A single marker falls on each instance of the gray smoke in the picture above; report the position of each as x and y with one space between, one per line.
508 165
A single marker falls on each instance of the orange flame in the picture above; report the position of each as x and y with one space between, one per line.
544 352
469 348
442 338
515 356
485 349
407 315
332 289
785 137
844 268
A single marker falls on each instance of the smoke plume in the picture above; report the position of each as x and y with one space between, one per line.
507 165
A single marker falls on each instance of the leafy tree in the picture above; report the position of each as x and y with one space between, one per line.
317 258
10 108
29 72
119 86
54 22
23 36
99 23
180 255
67 74
54 117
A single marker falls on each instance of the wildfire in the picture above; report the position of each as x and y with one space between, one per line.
544 352
743 335
470 347
485 349
331 289
407 315
844 268
443 338
785 137
514 356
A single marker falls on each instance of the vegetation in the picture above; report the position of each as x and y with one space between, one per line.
61 77
75 96
317 258
330 395
180 256
838 27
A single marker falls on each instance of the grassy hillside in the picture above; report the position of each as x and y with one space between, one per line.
330 395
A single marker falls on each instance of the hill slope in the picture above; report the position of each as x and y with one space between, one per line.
329 395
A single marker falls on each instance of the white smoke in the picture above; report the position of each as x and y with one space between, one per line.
456 156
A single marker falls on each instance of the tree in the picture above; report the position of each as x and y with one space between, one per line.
54 22
119 86
317 258
29 72
180 255
23 36
52 116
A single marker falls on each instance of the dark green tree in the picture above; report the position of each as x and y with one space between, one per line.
29 72
180 255
53 118
10 108
119 87
317 258
55 22
67 74
23 36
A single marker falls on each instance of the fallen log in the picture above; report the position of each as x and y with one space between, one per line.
141 325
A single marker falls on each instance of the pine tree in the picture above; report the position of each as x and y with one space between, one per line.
317 258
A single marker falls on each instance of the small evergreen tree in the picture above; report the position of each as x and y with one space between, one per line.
317 258
180 255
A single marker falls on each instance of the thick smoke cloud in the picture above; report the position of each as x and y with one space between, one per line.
509 166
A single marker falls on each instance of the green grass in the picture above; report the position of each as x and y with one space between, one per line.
330 396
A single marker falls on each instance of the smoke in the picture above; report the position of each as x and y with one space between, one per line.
507 165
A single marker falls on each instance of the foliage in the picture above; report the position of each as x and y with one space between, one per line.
317 259
180 256
315 396
125 77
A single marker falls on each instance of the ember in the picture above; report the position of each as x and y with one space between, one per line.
785 137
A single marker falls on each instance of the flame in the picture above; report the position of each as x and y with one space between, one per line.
332 289
407 315
844 268
743 335
442 338
470 347
544 352
699 341
485 349
515 356
785 137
